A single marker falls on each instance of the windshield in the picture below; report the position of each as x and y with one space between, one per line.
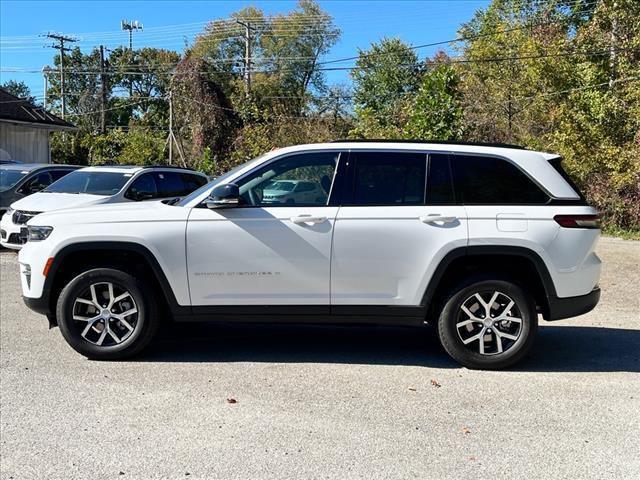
215 181
285 186
8 178
93 183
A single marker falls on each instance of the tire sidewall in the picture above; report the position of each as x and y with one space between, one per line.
134 343
452 343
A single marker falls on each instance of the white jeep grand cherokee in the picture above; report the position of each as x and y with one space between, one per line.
475 239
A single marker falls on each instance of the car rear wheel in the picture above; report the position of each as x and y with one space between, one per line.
107 314
489 324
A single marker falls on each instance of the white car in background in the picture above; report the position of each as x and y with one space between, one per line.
97 185
299 192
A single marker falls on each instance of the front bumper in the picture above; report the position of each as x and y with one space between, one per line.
568 307
38 305
10 234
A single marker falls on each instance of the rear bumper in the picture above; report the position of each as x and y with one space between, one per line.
568 307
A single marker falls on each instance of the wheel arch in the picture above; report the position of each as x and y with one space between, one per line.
128 256
521 264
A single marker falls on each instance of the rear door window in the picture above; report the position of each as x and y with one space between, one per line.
192 182
169 184
481 180
389 178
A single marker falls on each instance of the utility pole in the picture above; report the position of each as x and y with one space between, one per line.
61 39
171 138
103 93
613 60
45 71
247 55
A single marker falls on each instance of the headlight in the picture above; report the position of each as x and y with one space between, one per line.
37 233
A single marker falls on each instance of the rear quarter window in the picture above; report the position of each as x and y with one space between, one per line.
481 180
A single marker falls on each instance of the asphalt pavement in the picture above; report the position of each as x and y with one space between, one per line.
266 402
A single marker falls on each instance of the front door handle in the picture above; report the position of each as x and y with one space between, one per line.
307 219
437 218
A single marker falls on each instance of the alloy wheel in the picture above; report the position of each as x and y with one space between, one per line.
105 314
489 322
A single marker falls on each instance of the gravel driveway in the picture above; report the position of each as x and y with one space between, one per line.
307 402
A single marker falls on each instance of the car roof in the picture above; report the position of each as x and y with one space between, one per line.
34 166
137 168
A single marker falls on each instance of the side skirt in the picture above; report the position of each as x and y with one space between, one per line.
308 314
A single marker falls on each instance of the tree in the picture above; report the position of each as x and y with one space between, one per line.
19 89
147 74
383 78
436 110
202 110
285 52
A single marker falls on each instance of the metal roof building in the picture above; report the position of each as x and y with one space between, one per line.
25 128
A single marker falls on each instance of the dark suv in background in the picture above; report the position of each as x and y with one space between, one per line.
18 180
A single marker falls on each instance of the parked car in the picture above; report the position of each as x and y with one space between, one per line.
300 192
18 180
97 185
476 240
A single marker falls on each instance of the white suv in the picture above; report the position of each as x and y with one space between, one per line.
94 186
477 240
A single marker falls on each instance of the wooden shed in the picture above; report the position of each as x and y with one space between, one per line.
25 129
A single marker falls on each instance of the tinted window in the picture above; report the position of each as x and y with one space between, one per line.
488 180
191 182
94 183
37 183
169 184
143 188
439 181
276 183
389 178
58 174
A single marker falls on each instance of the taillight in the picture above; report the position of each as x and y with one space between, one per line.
578 221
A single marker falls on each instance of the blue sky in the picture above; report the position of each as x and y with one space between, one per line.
169 23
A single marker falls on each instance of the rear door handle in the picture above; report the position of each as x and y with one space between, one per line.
307 219
437 218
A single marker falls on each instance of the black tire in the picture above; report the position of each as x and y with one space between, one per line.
146 322
451 335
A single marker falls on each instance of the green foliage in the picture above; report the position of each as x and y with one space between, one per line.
436 110
383 78
143 147
19 89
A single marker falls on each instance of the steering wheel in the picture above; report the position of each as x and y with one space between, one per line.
253 197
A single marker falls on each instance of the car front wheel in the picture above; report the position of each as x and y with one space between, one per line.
488 324
107 314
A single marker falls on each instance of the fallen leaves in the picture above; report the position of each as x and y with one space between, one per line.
231 400
435 383
466 430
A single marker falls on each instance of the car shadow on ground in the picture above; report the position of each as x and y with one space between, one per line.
558 348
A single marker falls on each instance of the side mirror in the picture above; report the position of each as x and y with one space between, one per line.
226 195
138 196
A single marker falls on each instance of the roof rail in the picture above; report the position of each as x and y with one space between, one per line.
177 167
123 165
438 142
